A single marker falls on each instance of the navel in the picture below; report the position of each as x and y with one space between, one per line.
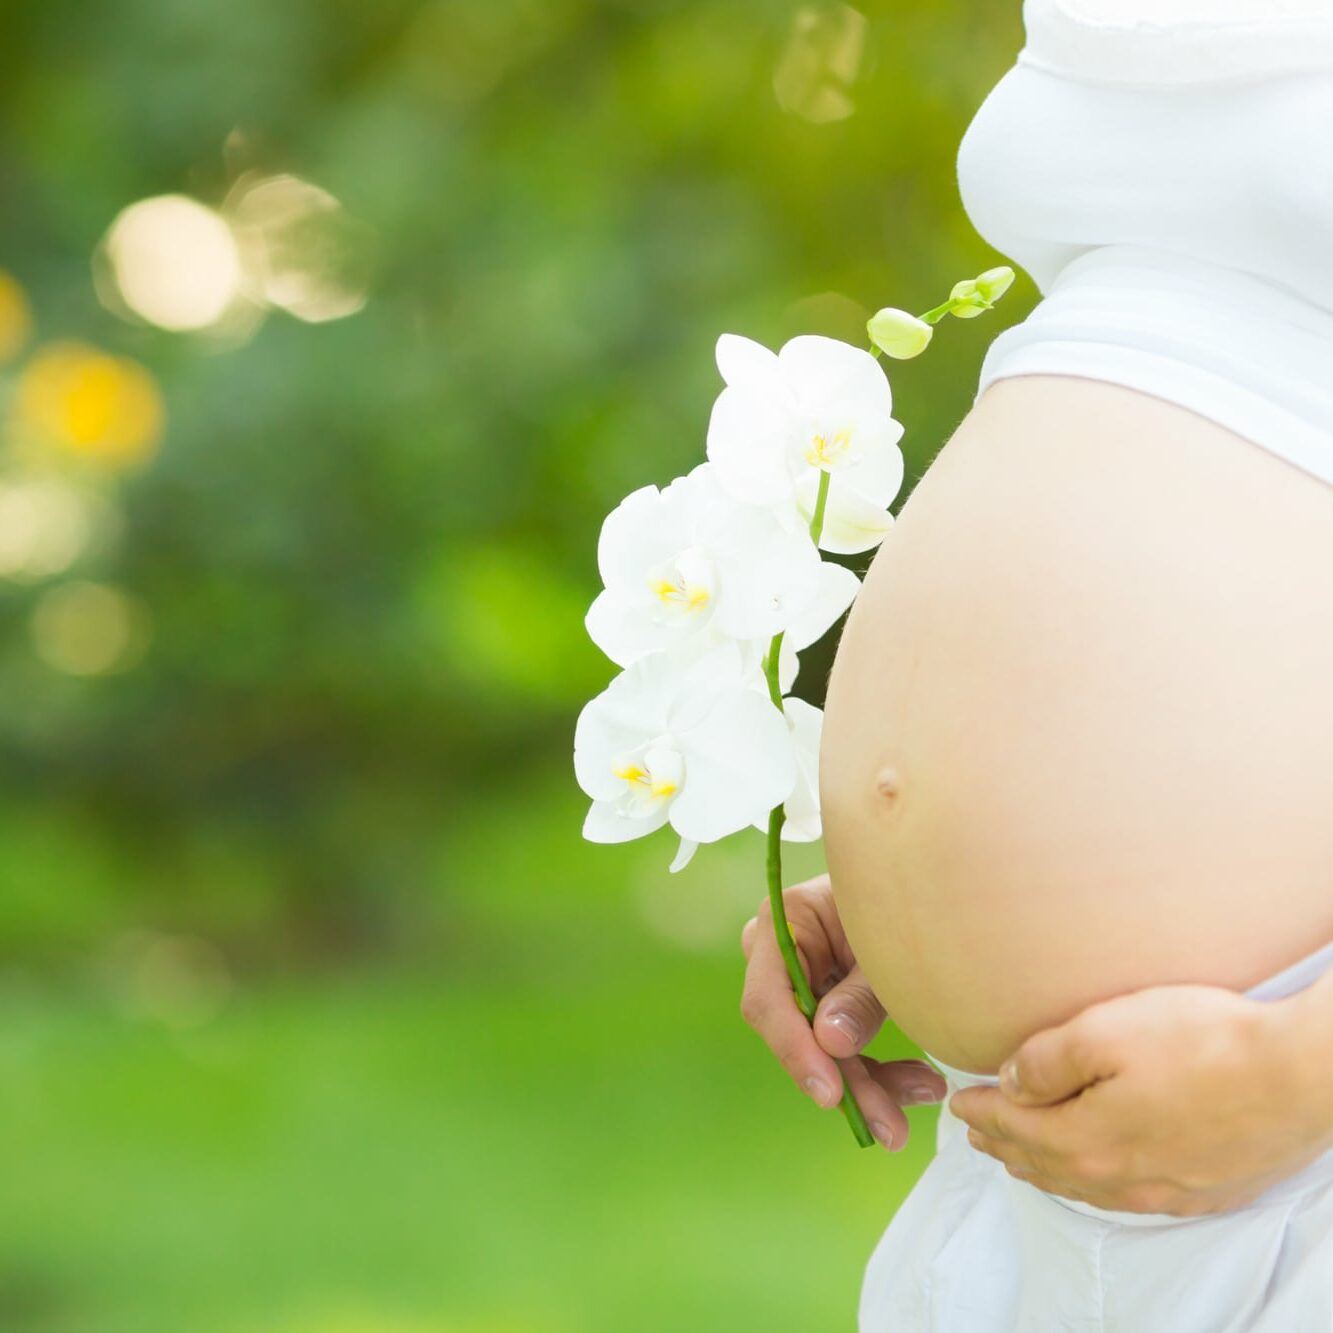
889 784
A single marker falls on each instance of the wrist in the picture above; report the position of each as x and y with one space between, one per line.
1298 1034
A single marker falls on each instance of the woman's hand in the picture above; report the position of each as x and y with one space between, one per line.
848 1016
1177 1099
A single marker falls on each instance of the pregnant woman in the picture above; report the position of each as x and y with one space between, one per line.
1077 762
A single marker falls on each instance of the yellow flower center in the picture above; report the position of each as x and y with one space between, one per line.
681 594
643 784
827 451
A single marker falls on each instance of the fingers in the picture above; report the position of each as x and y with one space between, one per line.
1060 1062
887 1122
848 1016
907 1082
1038 1144
813 921
769 1006
883 1087
1020 1161
1043 1133
1021 1166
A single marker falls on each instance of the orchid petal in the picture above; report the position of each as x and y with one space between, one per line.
623 632
636 532
877 475
605 822
837 590
827 375
749 440
631 710
739 764
851 523
699 680
802 822
769 576
684 855
789 666
742 361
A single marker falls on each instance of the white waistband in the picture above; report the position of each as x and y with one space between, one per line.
1248 353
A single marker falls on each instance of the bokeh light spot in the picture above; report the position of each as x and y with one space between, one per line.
303 252
175 262
100 407
90 629
15 318
44 527
178 980
820 62
834 314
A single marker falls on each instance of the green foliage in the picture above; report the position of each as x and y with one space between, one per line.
316 1014
365 545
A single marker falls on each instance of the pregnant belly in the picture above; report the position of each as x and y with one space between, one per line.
1079 731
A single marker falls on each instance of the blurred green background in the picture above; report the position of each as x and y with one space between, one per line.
316 1015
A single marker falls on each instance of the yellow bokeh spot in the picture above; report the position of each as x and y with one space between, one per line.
90 629
103 408
15 318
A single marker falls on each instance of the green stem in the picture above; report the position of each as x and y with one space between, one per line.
771 672
934 316
938 313
805 998
821 503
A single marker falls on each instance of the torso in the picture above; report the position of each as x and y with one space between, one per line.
1079 732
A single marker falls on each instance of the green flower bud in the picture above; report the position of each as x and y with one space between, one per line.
967 300
899 334
994 282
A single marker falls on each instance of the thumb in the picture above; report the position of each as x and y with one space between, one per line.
1054 1065
848 1016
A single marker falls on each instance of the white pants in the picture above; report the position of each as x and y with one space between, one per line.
973 1250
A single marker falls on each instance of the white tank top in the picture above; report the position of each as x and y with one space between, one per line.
1163 169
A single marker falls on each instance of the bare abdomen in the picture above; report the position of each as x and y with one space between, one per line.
1079 732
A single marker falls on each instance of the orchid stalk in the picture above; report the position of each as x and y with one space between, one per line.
805 997
715 583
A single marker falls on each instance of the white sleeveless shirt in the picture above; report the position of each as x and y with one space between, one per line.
1163 169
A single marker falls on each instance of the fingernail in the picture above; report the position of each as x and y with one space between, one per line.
1009 1078
848 1026
919 1094
820 1091
883 1133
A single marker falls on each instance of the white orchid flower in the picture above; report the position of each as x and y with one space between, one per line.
692 744
837 590
816 406
690 562
805 722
